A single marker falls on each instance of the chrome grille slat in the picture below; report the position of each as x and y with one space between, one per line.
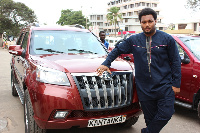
97 91
88 92
119 89
112 91
105 93
125 86
101 94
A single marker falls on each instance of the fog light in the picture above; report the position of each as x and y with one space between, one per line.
61 114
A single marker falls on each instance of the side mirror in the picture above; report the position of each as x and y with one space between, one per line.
15 50
186 59
127 58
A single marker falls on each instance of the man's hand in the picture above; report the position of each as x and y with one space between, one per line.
176 90
101 69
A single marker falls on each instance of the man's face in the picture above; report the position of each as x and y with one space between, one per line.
102 36
148 24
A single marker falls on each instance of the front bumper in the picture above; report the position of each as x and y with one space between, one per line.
47 98
82 122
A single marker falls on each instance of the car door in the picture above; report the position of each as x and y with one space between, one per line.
19 60
187 74
16 60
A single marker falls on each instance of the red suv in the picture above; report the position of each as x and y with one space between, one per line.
189 50
53 73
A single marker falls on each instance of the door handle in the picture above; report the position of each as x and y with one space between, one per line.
194 76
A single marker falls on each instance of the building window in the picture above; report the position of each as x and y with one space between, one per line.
154 5
195 26
130 13
126 20
137 20
135 12
143 4
126 28
100 23
182 26
132 5
157 12
99 17
125 7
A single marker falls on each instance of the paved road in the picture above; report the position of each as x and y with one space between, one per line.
12 119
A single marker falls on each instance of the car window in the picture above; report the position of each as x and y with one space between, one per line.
181 51
25 39
193 45
20 39
55 42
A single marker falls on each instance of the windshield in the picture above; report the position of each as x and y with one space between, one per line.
60 42
193 43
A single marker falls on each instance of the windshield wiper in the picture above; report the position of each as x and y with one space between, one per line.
81 51
49 50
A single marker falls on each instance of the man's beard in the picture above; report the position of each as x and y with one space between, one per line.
151 31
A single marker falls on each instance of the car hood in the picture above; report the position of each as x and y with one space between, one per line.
78 62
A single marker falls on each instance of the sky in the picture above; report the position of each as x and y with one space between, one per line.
49 11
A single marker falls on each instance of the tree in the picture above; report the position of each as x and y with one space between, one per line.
193 4
171 26
113 16
14 16
69 17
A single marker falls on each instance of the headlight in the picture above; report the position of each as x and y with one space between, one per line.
51 76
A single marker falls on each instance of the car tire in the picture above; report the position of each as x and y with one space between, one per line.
128 123
14 91
30 124
198 109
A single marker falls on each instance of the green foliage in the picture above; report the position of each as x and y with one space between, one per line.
113 16
69 17
193 4
14 16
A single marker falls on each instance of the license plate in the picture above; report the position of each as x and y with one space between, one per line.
106 121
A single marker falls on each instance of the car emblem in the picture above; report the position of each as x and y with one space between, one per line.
106 76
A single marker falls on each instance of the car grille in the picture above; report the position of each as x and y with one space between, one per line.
97 93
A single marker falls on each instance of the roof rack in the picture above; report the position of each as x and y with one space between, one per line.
77 26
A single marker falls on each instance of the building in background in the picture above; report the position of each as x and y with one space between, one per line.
189 27
129 10
97 22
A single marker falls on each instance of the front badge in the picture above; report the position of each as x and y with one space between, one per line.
106 76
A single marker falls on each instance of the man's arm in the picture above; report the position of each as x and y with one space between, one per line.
122 48
175 89
175 65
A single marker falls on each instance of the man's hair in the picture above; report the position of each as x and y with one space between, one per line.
101 32
147 11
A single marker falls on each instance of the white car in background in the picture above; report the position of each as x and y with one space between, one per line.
113 40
